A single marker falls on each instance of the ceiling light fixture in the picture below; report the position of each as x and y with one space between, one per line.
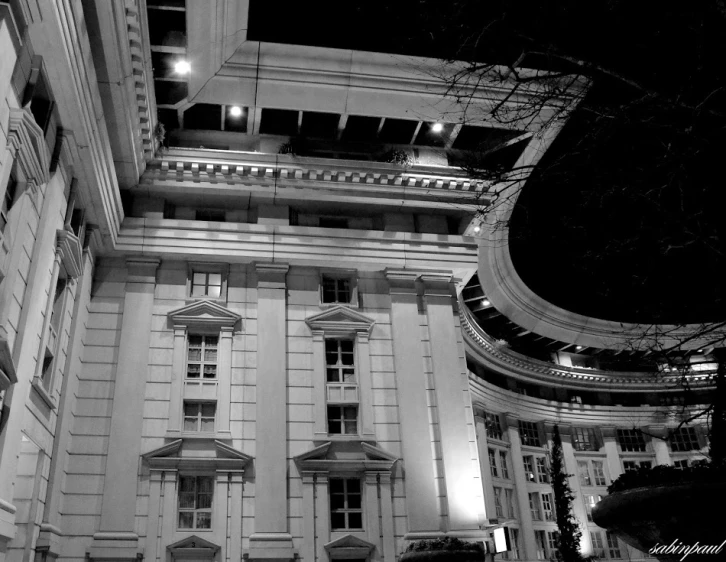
182 67
477 229
578 347
235 111
485 302
437 127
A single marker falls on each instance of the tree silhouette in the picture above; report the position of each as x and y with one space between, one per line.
569 531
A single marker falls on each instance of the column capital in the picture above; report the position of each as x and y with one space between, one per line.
271 275
142 270
437 283
608 431
401 281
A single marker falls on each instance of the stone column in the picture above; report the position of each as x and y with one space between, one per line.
236 484
486 472
309 516
464 494
611 452
151 546
526 533
373 524
271 539
224 382
117 538
322 512
389 545
176 393
422 503
660 446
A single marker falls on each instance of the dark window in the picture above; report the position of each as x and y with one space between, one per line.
209 215
346 506
278 122
631 440
684 439
529 433
195 502
333 222
336 290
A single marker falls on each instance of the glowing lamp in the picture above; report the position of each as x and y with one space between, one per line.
437 127
235 111
182 67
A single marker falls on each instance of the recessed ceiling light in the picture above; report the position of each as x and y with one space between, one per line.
485 302
235 111
182 67
579 347
437 128
477 229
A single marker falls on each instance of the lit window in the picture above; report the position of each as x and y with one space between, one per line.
613 545
206 284
631 440
534 507
498 502
584 439
542 472
529 433
199 416
494 426
493 462
202 357
590 502
342 387
548 507
336 290
529 474
540 542
684 439
346 507
584 473
503 464
598 470
195 502
597 546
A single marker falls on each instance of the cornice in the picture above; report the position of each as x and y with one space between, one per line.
510 363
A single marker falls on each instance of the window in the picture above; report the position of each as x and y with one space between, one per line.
514 540
681 464
584 439
206 284
684 439
553 543
613 545
47 372
597 546
8 201
584 472
548 507
342 387
529 474
336 290
590 502
540 542
534 507
631 440
214 215
493 463
629 466
503 464
199 416
498 502
598 470
529 433
494 427
509 503
542 472
333 222
202 357
346 507
195 502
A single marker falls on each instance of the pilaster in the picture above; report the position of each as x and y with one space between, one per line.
422 503
117 538
486 472
463 485
526 533
176 393
612 454
659 435
373 522
271 539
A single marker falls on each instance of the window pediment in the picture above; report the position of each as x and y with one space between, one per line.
26 137
349 547
193 547
340 320
195 455
71 252
346 456
206 315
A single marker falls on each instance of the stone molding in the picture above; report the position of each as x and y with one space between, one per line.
27 143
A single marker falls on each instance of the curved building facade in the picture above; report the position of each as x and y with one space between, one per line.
246 311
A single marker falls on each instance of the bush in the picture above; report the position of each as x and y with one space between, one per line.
664 475
446 543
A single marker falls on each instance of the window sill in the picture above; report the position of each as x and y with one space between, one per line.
40 389
198 436
325 437
219 300
334 304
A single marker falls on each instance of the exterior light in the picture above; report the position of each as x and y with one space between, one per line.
235 111
437 128
477 229
579 347
182 67
485 302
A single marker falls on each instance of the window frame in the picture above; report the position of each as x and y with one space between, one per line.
342 385
348 275
202 363
598 547
207 268
529 434
680 443
195 510
493 426
199 417
631 441
585 439
548 512
346 511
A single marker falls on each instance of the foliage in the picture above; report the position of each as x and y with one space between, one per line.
446 543
665 475
569 531
397 156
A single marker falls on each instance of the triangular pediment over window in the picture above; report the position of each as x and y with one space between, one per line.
204 314
346 456
340 319
349 547
193 547
195 454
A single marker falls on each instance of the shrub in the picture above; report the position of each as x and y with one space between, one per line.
446 543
